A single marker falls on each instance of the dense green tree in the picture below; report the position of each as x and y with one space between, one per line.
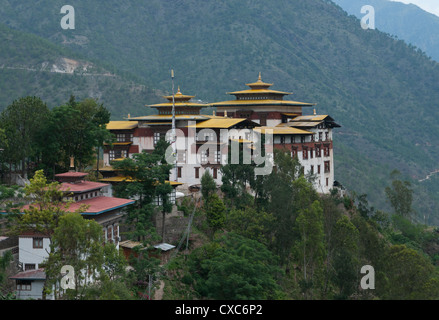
289 193
75 129
237 177
238 269
310 249
5 261
252 223
78 242
208 185
46 208
108 290
410 275
215 213
21 122
146 179
400 195
345 262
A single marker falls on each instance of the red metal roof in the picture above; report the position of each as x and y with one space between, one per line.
102 204
33 234
37 274
82 186
97 205
71 174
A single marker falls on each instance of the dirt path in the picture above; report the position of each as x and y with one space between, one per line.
158 295
429 175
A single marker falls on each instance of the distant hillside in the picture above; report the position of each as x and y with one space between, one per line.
406 21
30 65
383 93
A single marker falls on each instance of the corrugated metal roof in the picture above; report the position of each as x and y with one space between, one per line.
71 174
82 186
129 244
164 246
96 205
37 274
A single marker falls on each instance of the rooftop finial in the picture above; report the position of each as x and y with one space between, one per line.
72 164
178 90
260 77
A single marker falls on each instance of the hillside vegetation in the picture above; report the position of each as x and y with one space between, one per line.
32 66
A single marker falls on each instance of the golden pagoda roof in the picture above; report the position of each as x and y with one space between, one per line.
178 104
179 96
259 83
218 123
310 118
256 91
305 124
259 87
261 102
168 117
121 125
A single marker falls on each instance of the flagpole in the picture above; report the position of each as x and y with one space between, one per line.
173 141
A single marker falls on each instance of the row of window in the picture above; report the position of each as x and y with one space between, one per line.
124 137
86 196
327 168
111 233
197 172
309 153
24 285
158 201
116 154
167 112
295 139
259 98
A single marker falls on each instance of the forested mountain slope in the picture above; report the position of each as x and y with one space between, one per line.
33 66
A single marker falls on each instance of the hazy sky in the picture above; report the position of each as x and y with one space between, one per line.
428 5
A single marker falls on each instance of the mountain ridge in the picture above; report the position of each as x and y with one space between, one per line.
408 22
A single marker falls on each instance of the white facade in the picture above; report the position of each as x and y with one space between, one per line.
31 289
32 251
